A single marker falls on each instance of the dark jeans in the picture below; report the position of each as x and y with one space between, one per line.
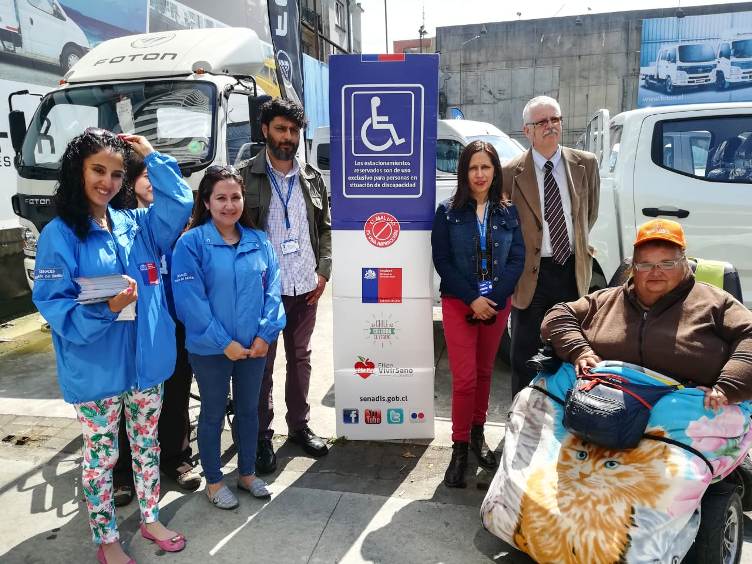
556 283
174 423
301 319
214 374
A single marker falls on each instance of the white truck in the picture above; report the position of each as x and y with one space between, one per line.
190 92
684 65
451 137
689 163
734 64
41 30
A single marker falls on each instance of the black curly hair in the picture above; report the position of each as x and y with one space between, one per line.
284 108
70 199
134 167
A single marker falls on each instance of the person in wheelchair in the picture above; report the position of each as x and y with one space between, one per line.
663 319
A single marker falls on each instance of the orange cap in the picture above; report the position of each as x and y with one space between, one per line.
661 230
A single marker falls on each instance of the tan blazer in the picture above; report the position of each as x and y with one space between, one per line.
521 185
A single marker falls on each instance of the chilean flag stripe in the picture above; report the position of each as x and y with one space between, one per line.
383 58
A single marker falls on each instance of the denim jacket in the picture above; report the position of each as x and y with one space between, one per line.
455 242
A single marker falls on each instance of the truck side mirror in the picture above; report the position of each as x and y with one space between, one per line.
17 122
254 114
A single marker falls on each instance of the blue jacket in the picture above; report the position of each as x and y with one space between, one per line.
98 357
455 240
223 293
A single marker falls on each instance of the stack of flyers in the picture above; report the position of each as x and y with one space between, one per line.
101 289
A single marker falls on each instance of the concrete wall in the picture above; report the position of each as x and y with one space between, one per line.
586 62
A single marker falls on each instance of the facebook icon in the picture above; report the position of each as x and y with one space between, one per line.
350 416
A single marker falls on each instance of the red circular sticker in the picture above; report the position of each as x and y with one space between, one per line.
381 229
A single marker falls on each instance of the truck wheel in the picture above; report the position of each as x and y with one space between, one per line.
668 86
69 57
720 81
721 534
743 474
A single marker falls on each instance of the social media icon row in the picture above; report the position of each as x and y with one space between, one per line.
394 416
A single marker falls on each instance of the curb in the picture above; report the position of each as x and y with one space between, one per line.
23 334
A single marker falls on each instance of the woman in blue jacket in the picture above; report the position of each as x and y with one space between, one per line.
106 361
226 287
479 254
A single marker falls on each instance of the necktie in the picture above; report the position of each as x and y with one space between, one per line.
553 212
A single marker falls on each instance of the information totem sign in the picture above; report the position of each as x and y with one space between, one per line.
383 111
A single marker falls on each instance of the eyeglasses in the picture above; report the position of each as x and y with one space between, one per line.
99 132
555 120
474 321
219 169
662 265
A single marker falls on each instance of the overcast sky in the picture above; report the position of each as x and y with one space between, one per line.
406 16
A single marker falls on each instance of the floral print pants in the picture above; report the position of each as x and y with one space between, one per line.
100 420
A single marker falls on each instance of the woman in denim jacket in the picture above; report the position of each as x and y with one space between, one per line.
479 254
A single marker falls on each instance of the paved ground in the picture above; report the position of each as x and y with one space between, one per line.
365 502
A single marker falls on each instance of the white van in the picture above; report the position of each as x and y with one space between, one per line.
41 30
734 62
451 137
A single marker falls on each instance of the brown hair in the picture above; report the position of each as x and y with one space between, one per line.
214 174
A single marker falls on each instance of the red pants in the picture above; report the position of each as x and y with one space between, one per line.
472 351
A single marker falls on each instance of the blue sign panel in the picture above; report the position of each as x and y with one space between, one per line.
383 112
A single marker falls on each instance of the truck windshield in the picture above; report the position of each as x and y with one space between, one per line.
506 148
741 49
700 53
176 116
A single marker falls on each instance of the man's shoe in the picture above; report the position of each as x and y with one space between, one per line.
313 445
454 477
266 460
486 457
185 476
122 494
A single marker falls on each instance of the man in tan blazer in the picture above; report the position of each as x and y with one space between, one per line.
556 192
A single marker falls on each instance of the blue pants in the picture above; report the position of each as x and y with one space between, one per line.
213 374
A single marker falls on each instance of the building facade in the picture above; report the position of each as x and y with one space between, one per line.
330 27
587 62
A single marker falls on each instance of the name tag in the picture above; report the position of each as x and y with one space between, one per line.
290 246
485 287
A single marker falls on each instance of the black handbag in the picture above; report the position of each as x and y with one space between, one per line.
610 411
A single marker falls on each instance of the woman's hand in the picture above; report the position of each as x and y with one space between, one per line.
259 348
715 398
483 308
139 143
236 351
124 298
585 362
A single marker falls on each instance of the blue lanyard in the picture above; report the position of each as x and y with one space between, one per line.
285 202
482 229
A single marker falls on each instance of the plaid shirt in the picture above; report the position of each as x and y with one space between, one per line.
298 269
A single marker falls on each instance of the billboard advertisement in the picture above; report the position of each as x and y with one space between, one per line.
696 59
383 162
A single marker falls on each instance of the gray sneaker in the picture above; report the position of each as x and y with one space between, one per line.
224 498
258 488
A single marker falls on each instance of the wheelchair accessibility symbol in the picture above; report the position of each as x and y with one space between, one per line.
379 123
383 122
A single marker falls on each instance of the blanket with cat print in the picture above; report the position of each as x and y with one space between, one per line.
560 499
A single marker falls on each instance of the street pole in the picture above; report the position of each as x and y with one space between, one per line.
386 30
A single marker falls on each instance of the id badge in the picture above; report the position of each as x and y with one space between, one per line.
290 246
485 287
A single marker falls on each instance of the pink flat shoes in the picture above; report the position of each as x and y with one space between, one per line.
175 544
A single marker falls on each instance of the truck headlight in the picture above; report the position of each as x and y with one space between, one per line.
29 241
735 71
681 76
